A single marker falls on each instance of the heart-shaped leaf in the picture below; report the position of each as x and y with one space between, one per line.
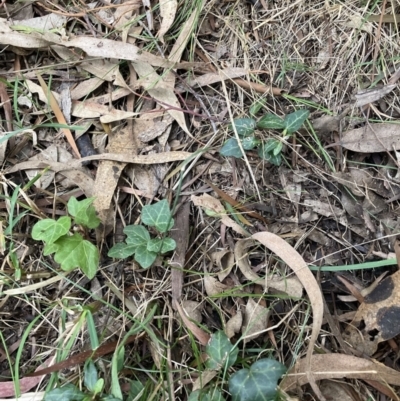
158 215
74 251
271 121
49 230
136 235
144 257
220 351
258 383
231 149
244 126
294 121
83 212
122 251
159 245
67 393
250 142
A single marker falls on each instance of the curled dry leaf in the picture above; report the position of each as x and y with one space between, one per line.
167 10
225 260
234 324
294 260
213 286
337 366
255 320
214 206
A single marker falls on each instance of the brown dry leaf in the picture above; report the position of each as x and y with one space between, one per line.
35 88
372 95
372 138
338 366
167 11
106 114
6 104
336 391
234 324
107 177
59 116
255 320
288 285
225 260
205 377
213 286
200 334
160 89
193 310
294 260
214 206
325 209
379 315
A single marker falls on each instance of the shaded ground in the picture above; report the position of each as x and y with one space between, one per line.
153 89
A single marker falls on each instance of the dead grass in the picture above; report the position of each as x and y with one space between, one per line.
334 206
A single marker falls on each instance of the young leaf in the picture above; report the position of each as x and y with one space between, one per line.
278 148
110 398
121 251
84 212
256 106
135 388
294 121
250 142
271 121
67 393
49 230
220 351
266 151
159 245
90 375
74 251
244 126
259 383
206 395
158 215
231 149
98 387
136 235
144 257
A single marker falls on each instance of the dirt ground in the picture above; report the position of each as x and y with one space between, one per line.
267 130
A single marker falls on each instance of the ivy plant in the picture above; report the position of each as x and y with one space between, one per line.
65 237
94 387
138 240
259 382
270 149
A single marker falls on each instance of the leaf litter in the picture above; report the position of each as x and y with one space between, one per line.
150 83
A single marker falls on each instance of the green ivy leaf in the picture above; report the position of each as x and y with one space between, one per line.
294 121
220 351
90 376
50 248
110 398
206 395
144 257
67 393
98 387
83 212
49 230
244 126
259 383
74 251
158 215
250 142
278 148
231 149
121 250
159 245
271 121
136 235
